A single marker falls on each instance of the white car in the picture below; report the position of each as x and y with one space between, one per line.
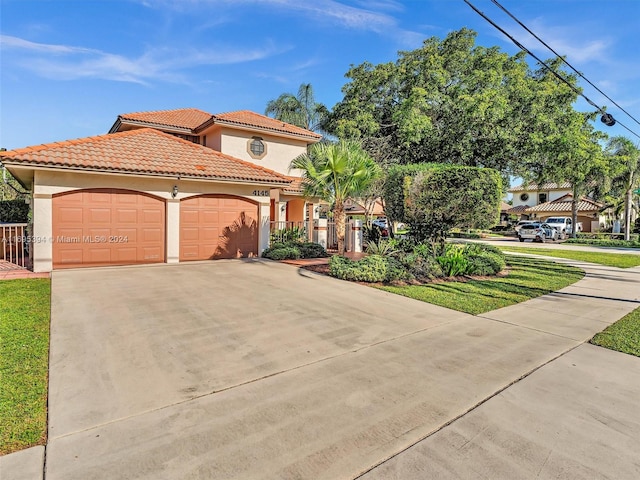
521 223
380 222
538 232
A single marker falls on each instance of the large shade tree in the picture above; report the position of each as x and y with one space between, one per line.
335 172
452 101
301 109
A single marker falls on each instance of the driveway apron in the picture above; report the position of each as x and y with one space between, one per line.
253 369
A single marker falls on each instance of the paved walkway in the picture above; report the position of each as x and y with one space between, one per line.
11 271
360 384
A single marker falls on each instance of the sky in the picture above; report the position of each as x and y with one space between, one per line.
68 68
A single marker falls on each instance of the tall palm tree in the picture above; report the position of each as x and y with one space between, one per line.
301 110
624 159
335 172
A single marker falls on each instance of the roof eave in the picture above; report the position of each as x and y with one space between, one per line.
157 126
272 131
39 166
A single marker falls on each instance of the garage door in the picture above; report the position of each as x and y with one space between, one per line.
218 226
107 227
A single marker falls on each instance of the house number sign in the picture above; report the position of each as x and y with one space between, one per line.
260 193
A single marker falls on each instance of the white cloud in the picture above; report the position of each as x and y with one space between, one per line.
66 62
370 18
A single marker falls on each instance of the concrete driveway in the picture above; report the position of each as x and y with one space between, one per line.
253 369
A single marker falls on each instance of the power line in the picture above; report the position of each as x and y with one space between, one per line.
606 118
563 59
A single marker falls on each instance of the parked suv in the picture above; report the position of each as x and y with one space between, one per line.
563 225
538 232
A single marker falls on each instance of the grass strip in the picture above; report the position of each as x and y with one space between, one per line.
24 357
620 260
528 278
622 336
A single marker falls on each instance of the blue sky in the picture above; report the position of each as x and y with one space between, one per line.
69 67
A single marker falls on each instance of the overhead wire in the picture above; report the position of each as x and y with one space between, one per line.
499 5
556 74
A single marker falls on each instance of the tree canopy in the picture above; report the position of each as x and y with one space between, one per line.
452 101
335 172
301 109
434 198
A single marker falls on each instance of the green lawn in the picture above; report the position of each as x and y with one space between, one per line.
620 260
528 278
24 353
623 336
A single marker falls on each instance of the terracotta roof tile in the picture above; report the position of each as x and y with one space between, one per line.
517 210
189 118
533 187
563 204
295 187
252 119
142 151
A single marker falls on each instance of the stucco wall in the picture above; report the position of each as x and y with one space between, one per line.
280 151
48 183
533 197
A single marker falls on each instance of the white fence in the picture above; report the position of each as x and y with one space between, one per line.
15 247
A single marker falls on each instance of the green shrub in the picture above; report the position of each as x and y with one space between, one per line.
282 253
605 242
14 211
485 264
311 250
454 261
381 247
474 235
294 250
478 248
422 268
373 269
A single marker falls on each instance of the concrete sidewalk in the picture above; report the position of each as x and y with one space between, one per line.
364 401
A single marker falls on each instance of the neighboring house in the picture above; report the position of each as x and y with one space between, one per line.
165 186
357 207
533 202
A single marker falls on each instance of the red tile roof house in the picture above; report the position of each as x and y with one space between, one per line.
547 200
165 186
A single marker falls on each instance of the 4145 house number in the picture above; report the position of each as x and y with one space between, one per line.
261 193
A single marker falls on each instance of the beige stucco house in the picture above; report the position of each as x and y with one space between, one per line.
164 186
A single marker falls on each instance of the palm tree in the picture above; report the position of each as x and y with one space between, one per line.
335 172
624 159
301 110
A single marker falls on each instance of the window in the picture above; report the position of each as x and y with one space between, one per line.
524 197
257 147
542 198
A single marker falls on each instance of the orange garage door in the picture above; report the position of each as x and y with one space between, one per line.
218 226
107 227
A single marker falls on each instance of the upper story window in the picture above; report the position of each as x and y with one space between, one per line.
256 147
542 198
524 197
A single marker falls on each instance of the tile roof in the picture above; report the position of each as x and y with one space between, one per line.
195 121
142 151
252 119
188 118
504 206
534 187
563 204
295 187
519 209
